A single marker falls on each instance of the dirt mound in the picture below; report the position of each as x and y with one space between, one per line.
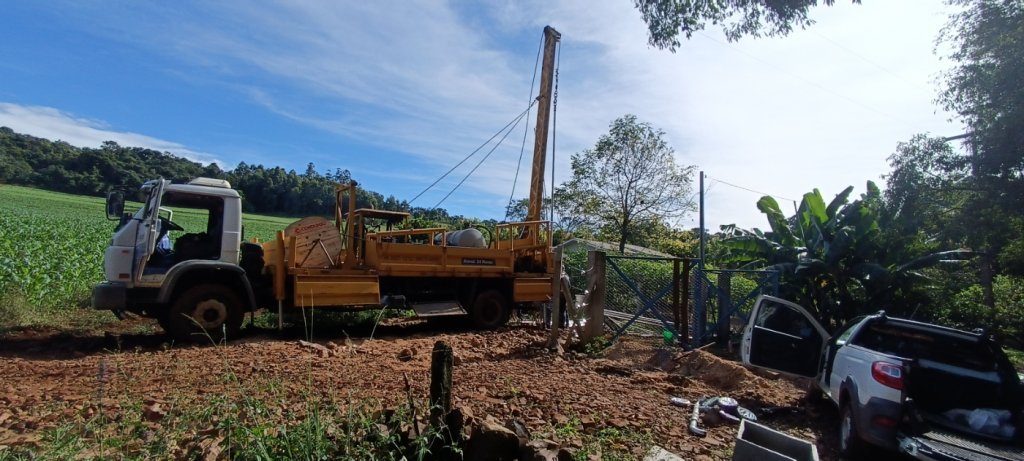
703 367
631 349
697 373
716 371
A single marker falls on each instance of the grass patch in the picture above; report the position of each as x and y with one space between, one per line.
608 443
17 313
612 444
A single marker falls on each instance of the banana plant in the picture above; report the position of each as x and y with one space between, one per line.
831 256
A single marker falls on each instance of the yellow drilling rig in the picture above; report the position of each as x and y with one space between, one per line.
208 278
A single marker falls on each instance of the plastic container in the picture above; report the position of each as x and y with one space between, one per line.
679 402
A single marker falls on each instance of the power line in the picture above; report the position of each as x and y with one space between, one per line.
502 130
862 58
464 178
752 190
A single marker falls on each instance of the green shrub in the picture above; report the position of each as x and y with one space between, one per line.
966 311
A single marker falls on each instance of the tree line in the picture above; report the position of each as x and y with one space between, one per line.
56 165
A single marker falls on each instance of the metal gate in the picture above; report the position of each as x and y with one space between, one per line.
671 297
723 299
648 295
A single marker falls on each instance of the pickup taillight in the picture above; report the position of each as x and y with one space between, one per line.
888 374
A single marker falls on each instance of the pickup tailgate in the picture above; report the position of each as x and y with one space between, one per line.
946 445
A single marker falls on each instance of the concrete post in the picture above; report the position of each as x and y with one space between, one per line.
556 290
596 284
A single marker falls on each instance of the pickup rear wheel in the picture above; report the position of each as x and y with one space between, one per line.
850 443
490 310
203 313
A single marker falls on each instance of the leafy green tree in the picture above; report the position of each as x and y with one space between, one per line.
668 19
964 309
984 89
974 196
566 223
934 199
14 170
832 258
657 234
629 177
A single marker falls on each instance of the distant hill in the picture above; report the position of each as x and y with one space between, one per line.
56 165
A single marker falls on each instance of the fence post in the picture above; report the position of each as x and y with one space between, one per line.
675 300
684 315
442 361
596 284
700 307
724 307
556 291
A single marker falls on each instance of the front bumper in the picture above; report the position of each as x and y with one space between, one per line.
109 296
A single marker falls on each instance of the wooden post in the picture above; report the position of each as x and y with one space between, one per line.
556 290
279 275
595 296
442 360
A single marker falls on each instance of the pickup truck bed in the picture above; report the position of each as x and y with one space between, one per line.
940 444
933 392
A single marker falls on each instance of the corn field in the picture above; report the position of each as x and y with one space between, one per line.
52 244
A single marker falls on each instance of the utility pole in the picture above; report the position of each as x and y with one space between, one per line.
700 262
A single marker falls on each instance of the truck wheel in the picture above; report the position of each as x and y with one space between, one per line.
490 310
850 443
205 310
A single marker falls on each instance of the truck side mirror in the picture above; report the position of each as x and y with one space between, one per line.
115 205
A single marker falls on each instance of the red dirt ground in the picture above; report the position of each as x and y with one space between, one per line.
45 376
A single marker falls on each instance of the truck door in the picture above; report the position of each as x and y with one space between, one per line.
784 337
148 229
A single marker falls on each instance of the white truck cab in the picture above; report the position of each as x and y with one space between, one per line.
155 265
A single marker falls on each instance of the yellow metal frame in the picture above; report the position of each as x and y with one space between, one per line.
354 280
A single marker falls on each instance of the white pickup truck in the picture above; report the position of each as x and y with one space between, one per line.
930 392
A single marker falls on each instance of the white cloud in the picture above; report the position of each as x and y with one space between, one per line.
56 125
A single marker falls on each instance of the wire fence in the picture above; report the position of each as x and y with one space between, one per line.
647 296
670 297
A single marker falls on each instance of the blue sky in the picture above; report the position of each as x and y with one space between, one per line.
399 92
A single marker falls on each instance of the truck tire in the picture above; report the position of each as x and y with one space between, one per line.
490 310
204 313
850 443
